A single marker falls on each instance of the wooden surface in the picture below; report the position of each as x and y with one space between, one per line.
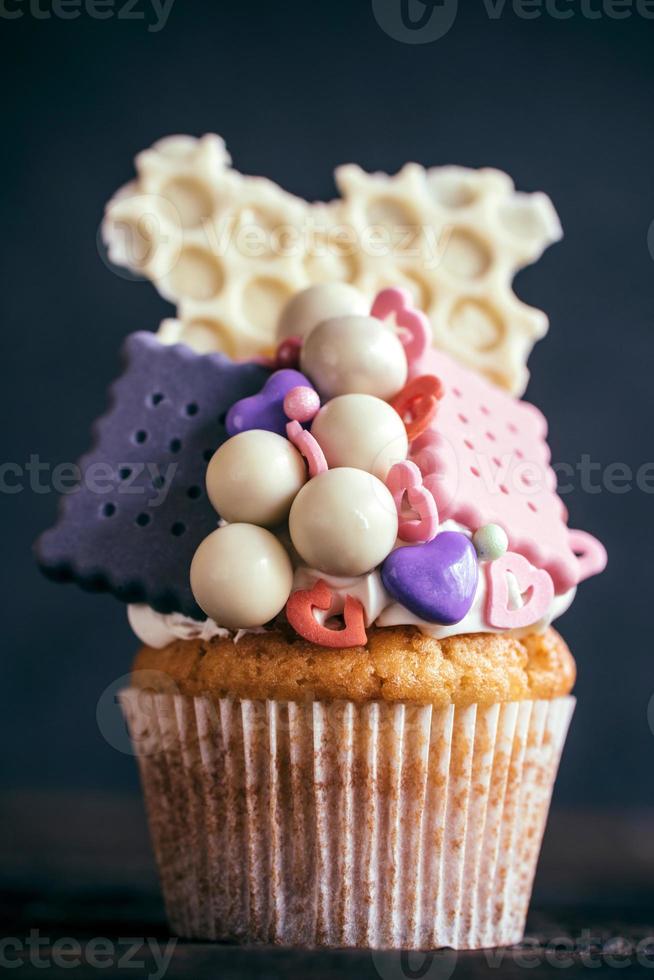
79 898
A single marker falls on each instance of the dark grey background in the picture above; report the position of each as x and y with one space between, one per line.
296 88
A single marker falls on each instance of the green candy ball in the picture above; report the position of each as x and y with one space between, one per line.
490 542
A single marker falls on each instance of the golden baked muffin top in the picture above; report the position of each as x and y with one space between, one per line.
397 664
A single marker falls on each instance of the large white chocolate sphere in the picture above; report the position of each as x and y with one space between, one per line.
307 309
254 476
350 354
343 522
360 431
241 576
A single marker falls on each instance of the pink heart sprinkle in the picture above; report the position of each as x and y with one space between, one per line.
414 330
405 478
534 581
307 445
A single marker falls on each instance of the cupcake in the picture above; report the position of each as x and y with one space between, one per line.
343 566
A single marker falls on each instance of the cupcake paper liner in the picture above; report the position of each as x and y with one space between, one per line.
341 824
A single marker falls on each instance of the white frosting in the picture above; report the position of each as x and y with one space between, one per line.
475 620
368 589
158 630
380 608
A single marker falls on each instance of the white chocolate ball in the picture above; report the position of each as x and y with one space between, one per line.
349 354
361 431
307 309
490 542
241 576
343 522
254 476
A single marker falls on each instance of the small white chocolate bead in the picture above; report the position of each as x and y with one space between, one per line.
241 576
490 542
354 354
343 522
307 309
360 431
254 476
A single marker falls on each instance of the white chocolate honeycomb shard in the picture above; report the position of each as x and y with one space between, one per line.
229 250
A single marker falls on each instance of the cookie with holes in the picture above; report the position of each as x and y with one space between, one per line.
343 565
141 509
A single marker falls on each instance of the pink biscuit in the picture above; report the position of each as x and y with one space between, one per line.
490 462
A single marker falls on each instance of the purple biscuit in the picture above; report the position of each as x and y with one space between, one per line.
141 511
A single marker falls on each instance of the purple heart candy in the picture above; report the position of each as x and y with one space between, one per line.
265 410
437 581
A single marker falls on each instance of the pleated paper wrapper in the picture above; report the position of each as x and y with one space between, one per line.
338 824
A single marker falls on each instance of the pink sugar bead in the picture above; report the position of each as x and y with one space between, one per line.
301 404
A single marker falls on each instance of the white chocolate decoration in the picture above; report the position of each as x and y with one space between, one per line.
360 431
349 354
311 306
254 476
343 522
230 250
241 576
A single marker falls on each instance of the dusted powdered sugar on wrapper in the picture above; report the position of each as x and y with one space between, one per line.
335 824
